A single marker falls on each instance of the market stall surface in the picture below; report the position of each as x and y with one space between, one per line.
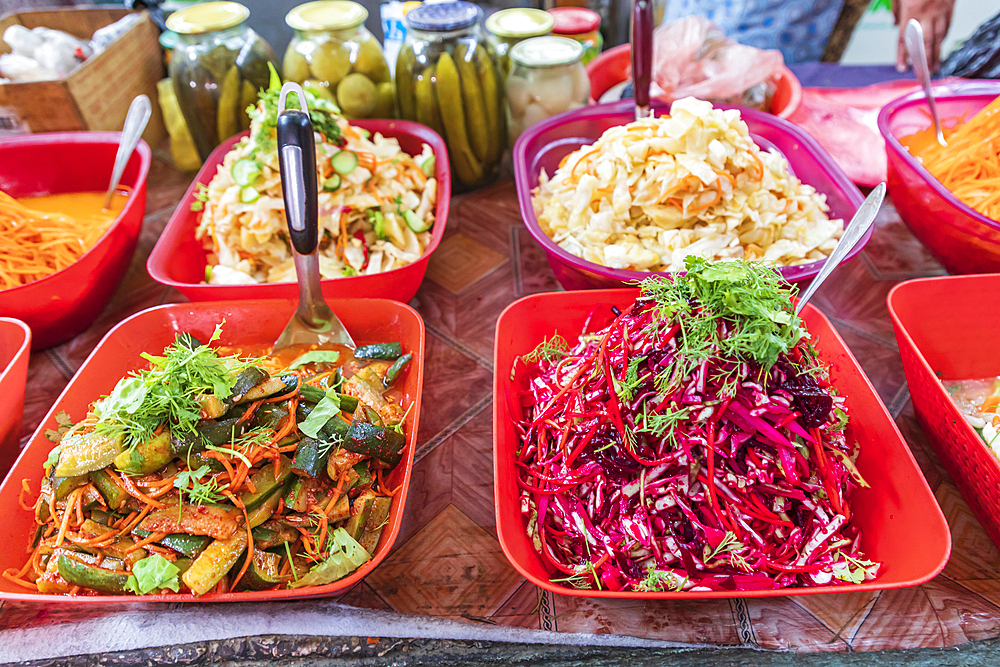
446 591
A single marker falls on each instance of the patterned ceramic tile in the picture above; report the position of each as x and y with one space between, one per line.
963 617
364 597
533 274
880 362
472 461
778 623
460 261
452 567
706 622
843 613
45 382
430 491
893 252
851 295
903 617
522 608
973 554
922 450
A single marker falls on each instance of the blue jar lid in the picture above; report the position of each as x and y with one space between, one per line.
443 16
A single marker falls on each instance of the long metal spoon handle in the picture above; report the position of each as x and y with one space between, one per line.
296 159
914 36
860 223
135 122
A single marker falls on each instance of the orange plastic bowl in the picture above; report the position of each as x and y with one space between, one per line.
178 260
15 340
960 237
246 323
946 329
614 65
900 521
63 304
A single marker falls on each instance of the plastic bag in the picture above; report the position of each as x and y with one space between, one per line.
979 55
693 57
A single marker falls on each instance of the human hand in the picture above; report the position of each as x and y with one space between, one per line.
935 19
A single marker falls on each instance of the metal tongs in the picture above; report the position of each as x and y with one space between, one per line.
313 321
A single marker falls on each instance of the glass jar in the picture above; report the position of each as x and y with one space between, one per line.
547 78
510 26
581 24
217 67
447 78
334 56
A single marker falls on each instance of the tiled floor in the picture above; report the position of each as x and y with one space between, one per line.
447 561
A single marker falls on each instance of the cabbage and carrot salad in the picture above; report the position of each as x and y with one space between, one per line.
212 471
693 444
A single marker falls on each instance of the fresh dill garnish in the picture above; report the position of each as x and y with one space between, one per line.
549 349
167 392
659 580
732 548
199 492
663 424
586 578
626 388
738 310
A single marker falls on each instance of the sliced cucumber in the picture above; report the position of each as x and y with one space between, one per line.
249 194
246 171
332 184
414 222
344 162
429 167
378 223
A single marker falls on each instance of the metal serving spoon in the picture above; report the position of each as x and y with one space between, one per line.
914 37
642 55
135 122
859 224
313 321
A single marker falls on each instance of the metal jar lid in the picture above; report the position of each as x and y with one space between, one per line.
520 22
326 15
575 20
207 17
547 52
443 16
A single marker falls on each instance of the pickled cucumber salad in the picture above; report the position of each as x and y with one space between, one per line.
212 471
648 194
376 202
979 401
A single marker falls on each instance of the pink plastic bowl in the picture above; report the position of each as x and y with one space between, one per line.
61 305
961 238
178 260
15 340
613 66
542 146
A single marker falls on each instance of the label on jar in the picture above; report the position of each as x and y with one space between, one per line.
393 31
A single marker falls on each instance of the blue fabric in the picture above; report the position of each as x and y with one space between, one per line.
797 28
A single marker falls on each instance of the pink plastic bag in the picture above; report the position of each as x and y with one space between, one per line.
693 57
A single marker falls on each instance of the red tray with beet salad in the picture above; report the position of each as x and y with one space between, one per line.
695 438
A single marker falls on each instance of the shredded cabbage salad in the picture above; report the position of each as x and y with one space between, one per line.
693 444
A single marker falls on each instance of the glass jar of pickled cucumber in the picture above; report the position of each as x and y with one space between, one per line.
581 24
447 78
334 56
507 27
547 77
217 67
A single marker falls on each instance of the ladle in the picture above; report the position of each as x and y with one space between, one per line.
135 122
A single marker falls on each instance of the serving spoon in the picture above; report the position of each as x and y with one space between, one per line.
859 224
135 122
914 37
642 56
313 321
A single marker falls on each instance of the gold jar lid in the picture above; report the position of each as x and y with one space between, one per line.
207 17
326 15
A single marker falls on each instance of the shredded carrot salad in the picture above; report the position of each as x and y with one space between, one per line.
35 244
969 165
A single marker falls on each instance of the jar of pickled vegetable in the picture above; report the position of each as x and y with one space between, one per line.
217 67
581 24
447 78
510 26
547 77
334 56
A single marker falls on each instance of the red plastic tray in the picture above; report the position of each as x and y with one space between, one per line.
178 260
258 322
61 305
947 328
901 524
543 146
15 341
961 238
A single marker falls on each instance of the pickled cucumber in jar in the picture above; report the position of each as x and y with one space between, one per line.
447 78
333 51
217 68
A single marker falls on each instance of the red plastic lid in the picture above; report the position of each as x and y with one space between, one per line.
574 20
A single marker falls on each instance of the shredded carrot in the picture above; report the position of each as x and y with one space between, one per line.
18 580
246 561
155 537
718 196
336 494
131 489
93 540
35 244
25 491
71 502
990 404
221 458
127 528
